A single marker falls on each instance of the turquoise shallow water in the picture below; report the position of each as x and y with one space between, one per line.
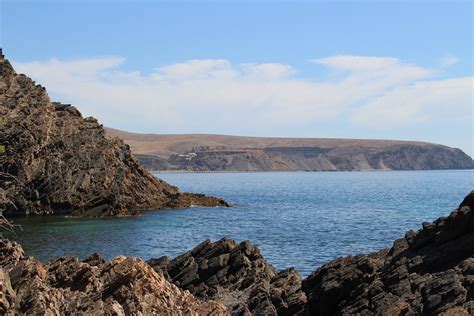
298 219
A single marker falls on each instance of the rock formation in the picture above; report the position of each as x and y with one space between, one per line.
67 286
237 153
54 161
429 272
236 275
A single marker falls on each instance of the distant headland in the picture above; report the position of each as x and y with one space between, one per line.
222 153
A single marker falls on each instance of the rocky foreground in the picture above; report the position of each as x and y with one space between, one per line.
67 286
428 272
54 161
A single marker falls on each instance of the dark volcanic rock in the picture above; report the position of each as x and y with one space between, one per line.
237 276
67 286
429 272
54 161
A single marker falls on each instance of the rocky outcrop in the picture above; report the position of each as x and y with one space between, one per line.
236 275
429 272
53 161
236 153
67 286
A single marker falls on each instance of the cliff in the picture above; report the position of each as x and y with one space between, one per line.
54 161
429 272
235 153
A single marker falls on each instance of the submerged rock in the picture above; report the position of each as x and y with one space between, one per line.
236 275
53 161
429 272
123 286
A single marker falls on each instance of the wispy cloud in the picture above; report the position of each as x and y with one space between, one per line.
369 91
449 99
449 61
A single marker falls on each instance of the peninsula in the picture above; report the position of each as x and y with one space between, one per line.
196 152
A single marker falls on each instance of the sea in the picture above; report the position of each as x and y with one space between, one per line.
296 219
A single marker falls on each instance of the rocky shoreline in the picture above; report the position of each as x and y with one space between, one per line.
54 161
429 272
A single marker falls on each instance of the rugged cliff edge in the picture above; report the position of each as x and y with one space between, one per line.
53 161
237 153
430 272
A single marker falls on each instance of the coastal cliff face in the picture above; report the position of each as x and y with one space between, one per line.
53 161
235 153
429 272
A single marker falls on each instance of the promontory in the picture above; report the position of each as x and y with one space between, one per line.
54 161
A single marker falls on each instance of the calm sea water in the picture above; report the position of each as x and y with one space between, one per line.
298 219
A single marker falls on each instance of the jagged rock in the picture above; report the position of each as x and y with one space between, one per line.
123 286
54 161
425 273
236 275
430 272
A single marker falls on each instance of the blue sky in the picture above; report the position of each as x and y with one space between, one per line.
356 69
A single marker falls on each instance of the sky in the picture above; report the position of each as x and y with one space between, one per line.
344 69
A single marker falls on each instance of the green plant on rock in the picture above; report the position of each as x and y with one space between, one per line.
2 149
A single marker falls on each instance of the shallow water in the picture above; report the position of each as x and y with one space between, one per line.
300 219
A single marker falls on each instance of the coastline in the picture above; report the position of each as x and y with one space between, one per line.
268 210
425 272
304 171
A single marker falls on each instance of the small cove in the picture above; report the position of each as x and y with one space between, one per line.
300 219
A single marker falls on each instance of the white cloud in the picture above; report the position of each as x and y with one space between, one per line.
268 71
195 69
449 61
357 63
423 101
217 96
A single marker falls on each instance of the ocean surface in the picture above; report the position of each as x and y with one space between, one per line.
299 219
